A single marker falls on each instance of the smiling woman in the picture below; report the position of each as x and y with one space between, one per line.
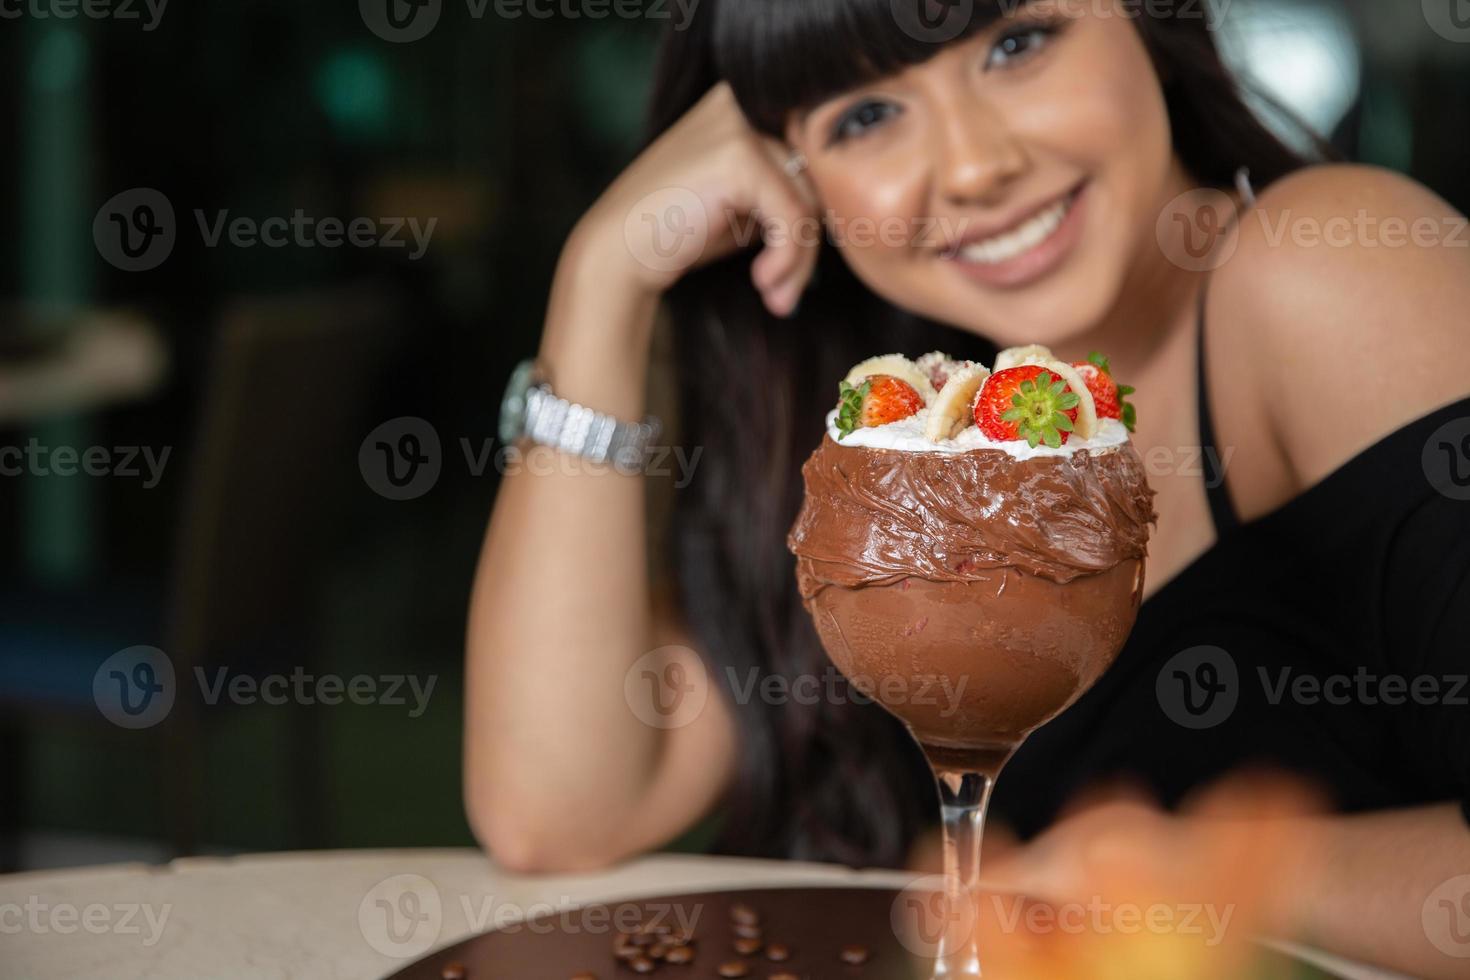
1067 154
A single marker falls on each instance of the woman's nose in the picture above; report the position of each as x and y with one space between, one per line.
976 154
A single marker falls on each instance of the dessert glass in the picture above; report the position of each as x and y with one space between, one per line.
1005 577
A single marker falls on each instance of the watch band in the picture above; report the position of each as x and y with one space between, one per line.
580 431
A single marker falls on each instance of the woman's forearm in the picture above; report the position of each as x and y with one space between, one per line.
1373 891
556 765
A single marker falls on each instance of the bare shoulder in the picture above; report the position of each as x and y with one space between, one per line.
1345 300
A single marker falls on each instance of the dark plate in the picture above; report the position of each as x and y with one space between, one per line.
815 923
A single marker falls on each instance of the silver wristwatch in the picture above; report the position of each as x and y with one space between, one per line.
530 410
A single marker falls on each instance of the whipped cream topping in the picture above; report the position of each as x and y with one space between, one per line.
907 435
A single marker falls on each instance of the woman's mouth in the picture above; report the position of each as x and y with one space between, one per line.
1025 251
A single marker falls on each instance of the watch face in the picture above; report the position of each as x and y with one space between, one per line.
513 405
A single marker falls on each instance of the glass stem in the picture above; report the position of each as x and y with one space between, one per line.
964 796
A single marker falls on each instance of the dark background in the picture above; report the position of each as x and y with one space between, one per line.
268 547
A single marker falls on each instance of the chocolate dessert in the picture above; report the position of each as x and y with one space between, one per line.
1001 562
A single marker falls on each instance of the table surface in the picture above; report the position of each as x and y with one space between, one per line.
324 914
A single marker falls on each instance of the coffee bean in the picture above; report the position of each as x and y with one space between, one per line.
626 951
680 954
742 913
643 939
642 964
747 947
584 975
783 976
746 931
778 952
734 968
454 971
854 954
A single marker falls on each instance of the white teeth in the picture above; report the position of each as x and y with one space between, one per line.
1003 248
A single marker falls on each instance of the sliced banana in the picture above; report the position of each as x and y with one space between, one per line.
1086 425
1017 356
952 409
899 367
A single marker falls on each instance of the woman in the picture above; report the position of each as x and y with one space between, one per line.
1317 371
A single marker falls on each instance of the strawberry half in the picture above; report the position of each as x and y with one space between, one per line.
1107 394
879 400
1027 402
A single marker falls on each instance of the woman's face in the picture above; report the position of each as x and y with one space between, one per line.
1006 185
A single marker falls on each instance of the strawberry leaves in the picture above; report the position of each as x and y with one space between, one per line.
1039 410
850 406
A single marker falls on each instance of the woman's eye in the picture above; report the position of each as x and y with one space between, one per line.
860 118
1018 44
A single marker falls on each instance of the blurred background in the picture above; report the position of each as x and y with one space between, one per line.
269 266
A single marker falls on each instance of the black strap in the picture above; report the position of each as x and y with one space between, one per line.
1222 511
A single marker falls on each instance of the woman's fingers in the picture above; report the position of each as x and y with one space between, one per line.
791 229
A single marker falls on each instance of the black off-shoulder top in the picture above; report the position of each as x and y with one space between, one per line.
1329 639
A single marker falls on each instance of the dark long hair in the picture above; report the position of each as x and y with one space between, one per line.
835 780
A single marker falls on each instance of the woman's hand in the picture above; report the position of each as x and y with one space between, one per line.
707 187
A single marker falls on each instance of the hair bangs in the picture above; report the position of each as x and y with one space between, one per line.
785 55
